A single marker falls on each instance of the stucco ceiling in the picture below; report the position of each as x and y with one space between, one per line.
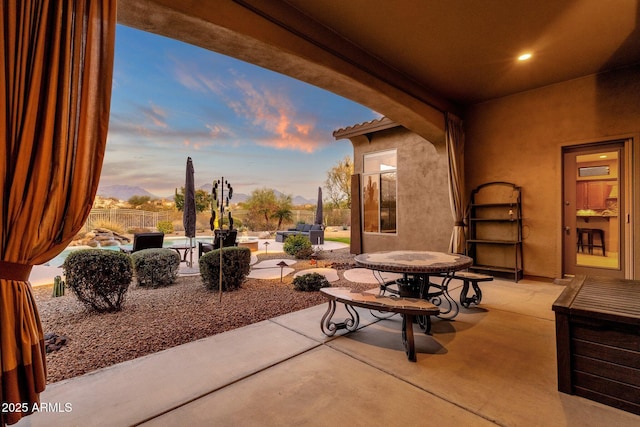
446 54
466 50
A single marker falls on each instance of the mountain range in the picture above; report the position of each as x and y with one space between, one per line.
125 192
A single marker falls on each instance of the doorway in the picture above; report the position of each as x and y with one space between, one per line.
594 210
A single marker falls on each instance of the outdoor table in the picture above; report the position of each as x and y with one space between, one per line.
186 247
417 267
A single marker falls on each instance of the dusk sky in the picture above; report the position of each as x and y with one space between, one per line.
255 127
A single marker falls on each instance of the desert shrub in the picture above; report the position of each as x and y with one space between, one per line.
298 246
99 278
310 282
235 267
304 253
155 267
165 226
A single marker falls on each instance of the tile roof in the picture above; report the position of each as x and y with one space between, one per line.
365 128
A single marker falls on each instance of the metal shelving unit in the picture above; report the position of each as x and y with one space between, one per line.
495 230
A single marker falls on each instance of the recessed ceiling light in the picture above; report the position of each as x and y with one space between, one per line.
524 56
603 156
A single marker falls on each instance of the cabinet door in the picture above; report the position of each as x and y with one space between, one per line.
596 195
591 195
581 195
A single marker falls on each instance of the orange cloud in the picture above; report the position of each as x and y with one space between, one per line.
274 113
217 131
299 144
303 129
271 112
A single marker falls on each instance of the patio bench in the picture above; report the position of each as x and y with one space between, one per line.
470 278
409 308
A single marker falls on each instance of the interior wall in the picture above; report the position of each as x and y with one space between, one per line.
424 219
519 139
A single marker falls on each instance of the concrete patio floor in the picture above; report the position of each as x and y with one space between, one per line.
494 365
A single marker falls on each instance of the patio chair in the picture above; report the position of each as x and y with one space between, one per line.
229 240
145 241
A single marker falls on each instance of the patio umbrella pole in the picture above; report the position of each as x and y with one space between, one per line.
192 246
189 209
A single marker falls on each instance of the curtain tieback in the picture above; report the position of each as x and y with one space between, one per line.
459 223
15 271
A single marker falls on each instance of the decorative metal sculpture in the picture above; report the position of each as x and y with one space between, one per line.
218 203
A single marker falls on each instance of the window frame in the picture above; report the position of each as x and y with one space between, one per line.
373 180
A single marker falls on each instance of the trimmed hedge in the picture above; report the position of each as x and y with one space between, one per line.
155 267
235 267
99 278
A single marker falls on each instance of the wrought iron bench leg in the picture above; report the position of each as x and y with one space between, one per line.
466 301
407 337
425 323
329 327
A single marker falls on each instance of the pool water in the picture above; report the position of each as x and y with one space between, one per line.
168 242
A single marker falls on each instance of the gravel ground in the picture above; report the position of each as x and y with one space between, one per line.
160 318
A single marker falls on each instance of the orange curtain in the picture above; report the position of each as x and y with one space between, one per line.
55 91
457 195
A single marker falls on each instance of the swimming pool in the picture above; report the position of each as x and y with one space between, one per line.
167 243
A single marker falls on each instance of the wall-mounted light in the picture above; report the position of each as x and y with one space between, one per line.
525 56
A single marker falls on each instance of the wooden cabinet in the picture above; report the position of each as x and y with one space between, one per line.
495 229
595 195
598 341
592 194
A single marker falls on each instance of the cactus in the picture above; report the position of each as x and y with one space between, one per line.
58 287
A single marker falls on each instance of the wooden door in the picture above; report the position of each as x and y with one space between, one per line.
593 232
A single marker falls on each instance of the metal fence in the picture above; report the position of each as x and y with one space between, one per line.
126 218
131 219
332 217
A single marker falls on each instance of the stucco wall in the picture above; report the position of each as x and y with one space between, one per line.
520 138
424 215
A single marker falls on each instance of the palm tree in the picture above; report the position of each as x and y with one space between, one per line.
283 210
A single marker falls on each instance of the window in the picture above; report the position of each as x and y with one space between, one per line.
379 191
